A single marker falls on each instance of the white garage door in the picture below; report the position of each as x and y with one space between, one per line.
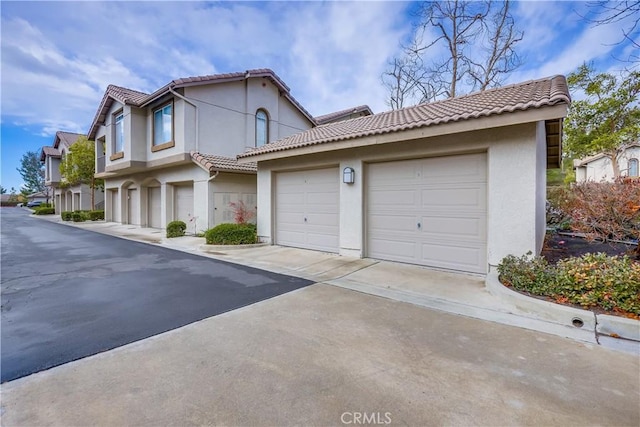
133 211
307 209
153 207
431 212
183 203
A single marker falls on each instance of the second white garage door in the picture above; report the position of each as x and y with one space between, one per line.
153 208
183 203
431 212
307 209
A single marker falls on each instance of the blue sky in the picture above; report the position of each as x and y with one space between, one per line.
58 57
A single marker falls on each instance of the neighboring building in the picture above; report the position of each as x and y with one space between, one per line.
349 113
598 168
65 197
40 196
171 155
456 184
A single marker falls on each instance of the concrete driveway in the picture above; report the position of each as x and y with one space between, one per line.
68 293
325 356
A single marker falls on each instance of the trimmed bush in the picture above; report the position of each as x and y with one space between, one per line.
80 216
96 215
232 234
176 228
66 215
601 281
45 205
45 211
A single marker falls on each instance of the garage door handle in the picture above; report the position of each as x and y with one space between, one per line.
419 225
305 220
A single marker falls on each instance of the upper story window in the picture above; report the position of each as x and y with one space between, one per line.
633 167
163 125
262 128
118 140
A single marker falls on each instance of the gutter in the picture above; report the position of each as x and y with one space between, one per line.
185 99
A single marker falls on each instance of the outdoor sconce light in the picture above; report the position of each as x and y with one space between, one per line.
348 175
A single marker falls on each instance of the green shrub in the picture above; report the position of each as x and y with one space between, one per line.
592 280
45 205
66 215
96 215
232 234
176 228
78 217
45 211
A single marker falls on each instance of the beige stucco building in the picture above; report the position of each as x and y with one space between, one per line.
456 184
171 155
598 168
66 197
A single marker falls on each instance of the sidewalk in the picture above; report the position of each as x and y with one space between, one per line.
462 294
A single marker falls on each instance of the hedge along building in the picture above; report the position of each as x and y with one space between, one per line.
456 184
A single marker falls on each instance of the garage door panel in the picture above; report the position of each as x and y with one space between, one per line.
442 255
183 203
307 209
394 250
390 222
468 197
393 197
448 201
472 228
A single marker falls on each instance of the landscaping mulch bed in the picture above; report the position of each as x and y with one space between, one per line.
558 246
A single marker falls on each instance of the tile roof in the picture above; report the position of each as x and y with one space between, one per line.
587 160
220 163
517 97
65 138
121 94
140 99
346 112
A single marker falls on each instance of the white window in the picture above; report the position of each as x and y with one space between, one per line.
262 128
118 142
163 125
633 167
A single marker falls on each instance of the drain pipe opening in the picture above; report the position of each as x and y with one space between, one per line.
577 322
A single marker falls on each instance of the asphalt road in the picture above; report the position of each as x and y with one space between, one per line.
68 293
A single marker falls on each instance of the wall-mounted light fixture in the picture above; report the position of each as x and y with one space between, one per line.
348 175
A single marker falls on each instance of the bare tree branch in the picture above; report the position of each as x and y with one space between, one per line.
479 39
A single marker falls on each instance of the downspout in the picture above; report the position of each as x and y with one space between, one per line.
197 116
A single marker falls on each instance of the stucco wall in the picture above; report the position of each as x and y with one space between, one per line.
516 168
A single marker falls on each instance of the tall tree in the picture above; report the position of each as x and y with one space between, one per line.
479 39
32 172
615 12
608 120
78 166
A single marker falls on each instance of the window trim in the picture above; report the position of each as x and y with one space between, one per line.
117 154
267 120
166 144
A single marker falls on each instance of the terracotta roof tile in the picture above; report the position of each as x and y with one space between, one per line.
518 97
215 163
346 112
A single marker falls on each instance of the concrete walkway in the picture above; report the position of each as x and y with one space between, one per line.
464 294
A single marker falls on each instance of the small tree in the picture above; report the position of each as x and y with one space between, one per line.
32 172
78 166
608 120
241 213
